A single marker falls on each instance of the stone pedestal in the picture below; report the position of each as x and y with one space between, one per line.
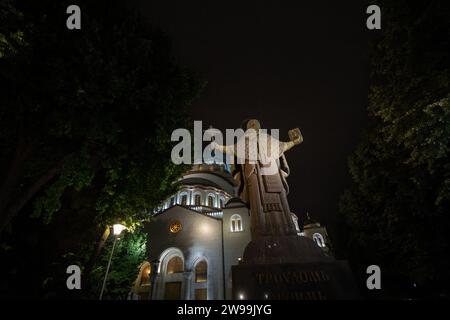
291 268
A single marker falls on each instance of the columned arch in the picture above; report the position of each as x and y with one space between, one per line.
222 201
183 198
213 197
142 285
201 286
197 198
171 283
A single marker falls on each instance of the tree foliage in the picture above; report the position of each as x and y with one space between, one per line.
86 118
129 253
87 108
398 205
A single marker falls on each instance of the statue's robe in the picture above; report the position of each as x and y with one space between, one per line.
263 184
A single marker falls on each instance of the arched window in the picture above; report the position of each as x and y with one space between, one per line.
318 239
184 199
222 202
236 223
210 201
145 275
201 271
175 265
197 200
172 201
170 282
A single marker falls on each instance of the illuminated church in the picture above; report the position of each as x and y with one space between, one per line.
197 235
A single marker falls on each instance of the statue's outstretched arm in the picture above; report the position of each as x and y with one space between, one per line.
229 150
296 138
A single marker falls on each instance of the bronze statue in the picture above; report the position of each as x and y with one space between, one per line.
263 189
275 250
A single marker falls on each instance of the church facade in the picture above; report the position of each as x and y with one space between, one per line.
197 235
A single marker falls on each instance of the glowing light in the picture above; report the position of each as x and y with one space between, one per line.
118 228
204 228
241 296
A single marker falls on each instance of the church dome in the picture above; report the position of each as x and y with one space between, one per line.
204 188
210 175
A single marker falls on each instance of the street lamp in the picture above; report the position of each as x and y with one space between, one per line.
117 230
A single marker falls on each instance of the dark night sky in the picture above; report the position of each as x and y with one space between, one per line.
288 64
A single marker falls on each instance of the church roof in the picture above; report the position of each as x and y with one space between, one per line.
235 202
178 207
309 221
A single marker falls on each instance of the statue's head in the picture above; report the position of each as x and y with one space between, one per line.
251 124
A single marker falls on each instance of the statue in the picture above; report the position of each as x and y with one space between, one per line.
261 175
278 262
265 193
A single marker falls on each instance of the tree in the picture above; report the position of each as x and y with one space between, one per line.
86 118
90 107
129 253
397 207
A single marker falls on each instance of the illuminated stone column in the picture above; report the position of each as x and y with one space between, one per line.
154 279
187 278
157 290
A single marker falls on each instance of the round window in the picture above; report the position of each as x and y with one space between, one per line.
175 226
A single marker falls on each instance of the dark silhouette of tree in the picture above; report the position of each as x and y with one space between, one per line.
86 119
87 107
397 208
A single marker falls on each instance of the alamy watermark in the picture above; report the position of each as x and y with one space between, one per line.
73 21
374 280
254 145
74 280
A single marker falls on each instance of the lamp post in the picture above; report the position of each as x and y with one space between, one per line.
117 230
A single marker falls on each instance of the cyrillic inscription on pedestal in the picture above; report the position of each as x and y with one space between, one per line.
310 281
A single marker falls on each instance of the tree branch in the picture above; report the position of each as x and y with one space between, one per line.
7 215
